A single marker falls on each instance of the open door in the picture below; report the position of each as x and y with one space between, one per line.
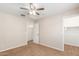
35 34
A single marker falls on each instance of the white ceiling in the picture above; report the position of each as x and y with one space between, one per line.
50 8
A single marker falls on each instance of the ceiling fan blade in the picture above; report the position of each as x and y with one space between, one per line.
23 8
37 13
40 9
23 15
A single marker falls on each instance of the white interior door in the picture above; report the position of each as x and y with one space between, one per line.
36 32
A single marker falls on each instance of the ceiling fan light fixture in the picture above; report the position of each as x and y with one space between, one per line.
33 9
32 12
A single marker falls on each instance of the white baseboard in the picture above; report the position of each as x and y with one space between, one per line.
26 44
14 47
52 47
72 44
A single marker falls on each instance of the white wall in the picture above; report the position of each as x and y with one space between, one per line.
12 31
51 32
71 21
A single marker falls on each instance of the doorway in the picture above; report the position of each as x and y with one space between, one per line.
35 33
71 30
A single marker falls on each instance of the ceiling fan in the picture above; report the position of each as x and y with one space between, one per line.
32 9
